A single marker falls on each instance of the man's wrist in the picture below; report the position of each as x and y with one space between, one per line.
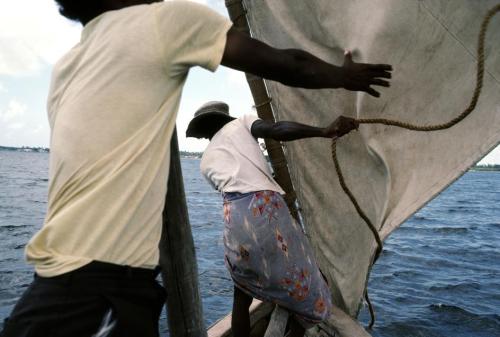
326 133
337 76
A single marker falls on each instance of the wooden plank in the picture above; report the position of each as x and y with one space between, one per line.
277 325
259 311
178 259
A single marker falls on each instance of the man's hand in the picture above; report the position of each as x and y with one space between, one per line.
341 126
298 68
360 76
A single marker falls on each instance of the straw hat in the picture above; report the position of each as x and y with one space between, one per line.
210 111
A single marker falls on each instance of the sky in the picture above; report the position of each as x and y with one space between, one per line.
33 36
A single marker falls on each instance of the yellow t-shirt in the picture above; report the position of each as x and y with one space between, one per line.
112 107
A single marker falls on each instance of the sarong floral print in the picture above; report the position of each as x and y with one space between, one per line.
270 258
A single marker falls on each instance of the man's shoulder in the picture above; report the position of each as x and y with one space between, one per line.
183 9
247 120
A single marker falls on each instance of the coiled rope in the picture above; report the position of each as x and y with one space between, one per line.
472 105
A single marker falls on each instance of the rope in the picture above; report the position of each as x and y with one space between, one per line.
242 14
266 102
472 105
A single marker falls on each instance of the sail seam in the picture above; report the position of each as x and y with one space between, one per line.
455 37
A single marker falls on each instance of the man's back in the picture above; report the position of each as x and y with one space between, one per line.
112 107
233 161
110 83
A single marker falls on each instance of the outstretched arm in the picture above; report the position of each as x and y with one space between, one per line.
287 131
298 68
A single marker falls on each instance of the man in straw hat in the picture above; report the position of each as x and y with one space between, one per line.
112 107
266 252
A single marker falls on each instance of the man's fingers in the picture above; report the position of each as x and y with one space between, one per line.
386 67
381 73
372 92
382 83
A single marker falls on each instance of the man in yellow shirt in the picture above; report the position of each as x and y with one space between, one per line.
112 108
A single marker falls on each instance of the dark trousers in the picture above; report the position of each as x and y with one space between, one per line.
75 304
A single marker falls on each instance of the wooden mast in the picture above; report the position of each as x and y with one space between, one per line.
178 259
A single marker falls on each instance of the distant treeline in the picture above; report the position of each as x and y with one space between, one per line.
24 149
490 167
186 154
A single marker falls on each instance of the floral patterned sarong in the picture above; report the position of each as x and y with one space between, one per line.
270 258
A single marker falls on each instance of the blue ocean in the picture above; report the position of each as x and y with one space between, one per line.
439 274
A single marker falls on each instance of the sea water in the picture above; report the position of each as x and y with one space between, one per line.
439 274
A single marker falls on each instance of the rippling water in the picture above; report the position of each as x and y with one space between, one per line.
439 275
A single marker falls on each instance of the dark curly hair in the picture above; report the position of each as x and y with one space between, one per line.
81 10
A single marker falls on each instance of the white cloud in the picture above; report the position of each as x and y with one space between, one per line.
14 110
32 33
20 125
237 79
217 5
39 129
492 158
15 126
3 89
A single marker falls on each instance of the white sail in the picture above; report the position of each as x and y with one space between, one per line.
391 171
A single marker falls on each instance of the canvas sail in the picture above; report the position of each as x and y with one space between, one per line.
391 171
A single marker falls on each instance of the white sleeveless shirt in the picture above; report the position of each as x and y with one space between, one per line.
233 161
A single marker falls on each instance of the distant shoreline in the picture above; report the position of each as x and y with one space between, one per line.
25 149
184 154
485 168
197 155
